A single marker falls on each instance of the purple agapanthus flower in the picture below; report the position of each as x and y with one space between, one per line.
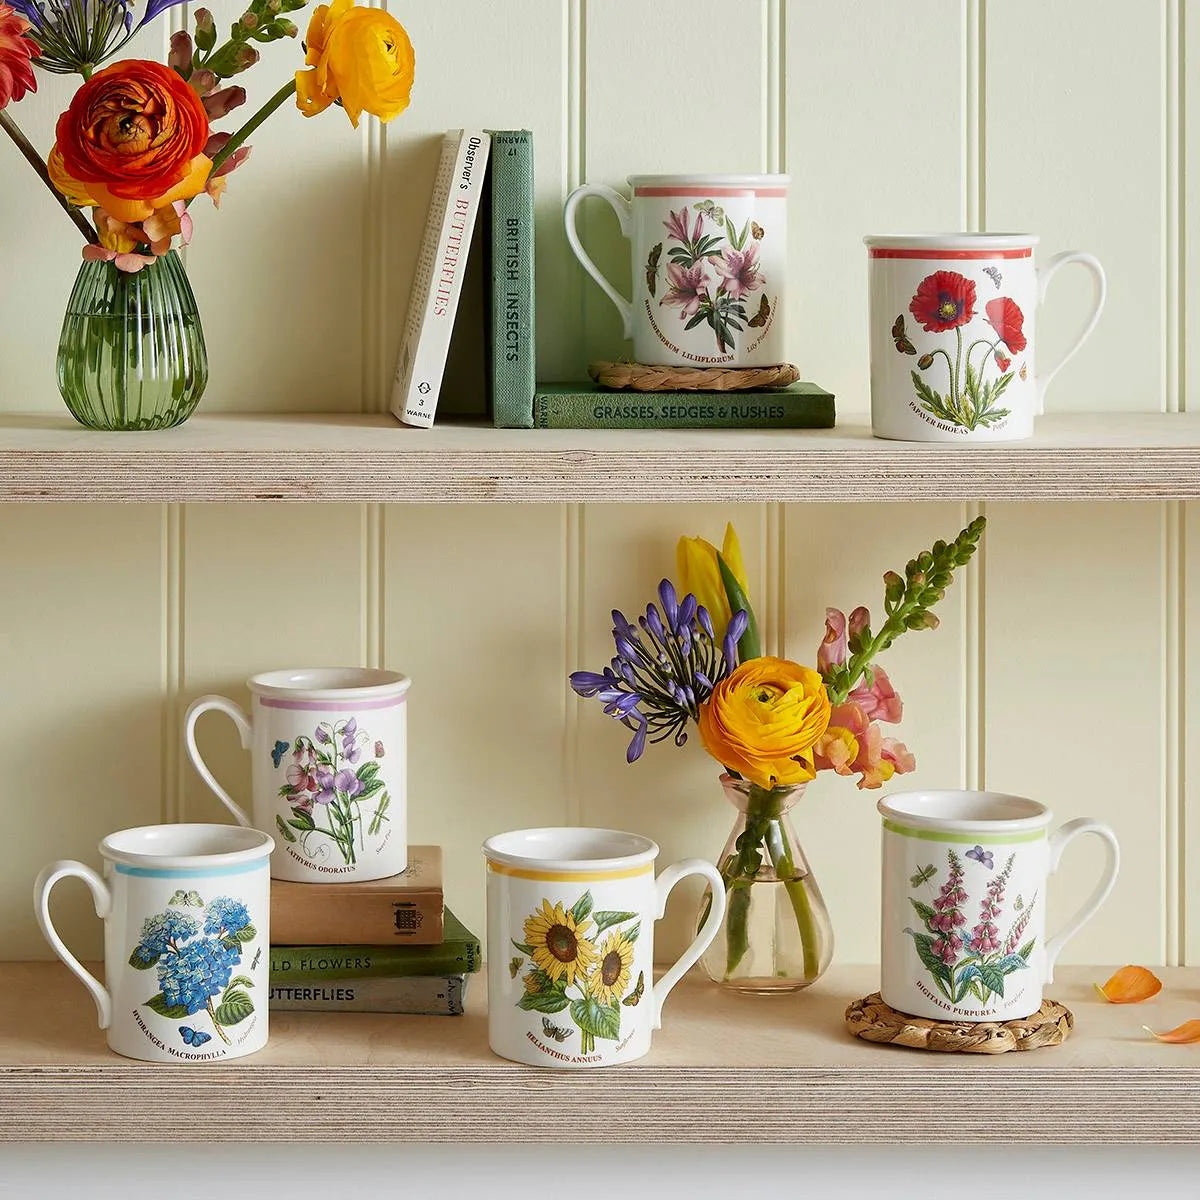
665 668
77 36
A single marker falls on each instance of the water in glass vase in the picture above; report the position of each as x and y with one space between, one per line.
131 354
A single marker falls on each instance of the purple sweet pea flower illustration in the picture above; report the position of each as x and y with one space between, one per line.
687 288
739 271
324 734
325 781
347 783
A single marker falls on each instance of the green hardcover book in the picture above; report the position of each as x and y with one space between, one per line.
510 324
424 995
458 954
582 406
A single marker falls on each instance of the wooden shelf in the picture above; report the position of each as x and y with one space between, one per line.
328 457
723 1069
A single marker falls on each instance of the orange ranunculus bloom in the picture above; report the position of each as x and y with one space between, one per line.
764 720
133 140
360 56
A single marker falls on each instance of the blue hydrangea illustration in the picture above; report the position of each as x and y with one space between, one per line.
192 974
158 931
226 915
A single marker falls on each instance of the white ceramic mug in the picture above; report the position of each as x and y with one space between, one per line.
709 267
329 762
570 917
964 902
185 911
952 334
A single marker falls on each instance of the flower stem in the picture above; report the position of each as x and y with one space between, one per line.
217 1024
235 142
793 883
34 159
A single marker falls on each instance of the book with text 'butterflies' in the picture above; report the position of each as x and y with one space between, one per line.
404 909
417 995
437 284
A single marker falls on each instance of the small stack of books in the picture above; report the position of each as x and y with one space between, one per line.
385 945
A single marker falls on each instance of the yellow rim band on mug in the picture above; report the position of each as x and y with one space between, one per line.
570 876
965 839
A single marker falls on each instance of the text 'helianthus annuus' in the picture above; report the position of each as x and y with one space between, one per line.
614 964
557 943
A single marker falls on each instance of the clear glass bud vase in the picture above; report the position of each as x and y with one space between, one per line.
776 936
131 354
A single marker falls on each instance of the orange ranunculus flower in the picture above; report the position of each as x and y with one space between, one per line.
360 56
133 140
764 720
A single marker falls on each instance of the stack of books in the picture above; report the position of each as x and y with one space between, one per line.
386 945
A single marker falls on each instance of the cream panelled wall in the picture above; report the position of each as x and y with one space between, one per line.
1067 660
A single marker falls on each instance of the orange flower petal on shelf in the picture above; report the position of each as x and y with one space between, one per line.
1181 1035
1130 985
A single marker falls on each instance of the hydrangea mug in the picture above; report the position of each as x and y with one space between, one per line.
328 759
709 259
964 902
952 334
570 919
185 911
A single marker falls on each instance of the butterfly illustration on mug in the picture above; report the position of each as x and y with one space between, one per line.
281 748
901 338
191 899
631 1001
194 1037
557 1032
652 267
759 320
993 273
982 856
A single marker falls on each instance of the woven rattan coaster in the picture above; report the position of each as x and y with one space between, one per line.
875 1021
690 379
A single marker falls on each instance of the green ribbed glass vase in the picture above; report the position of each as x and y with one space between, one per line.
131 354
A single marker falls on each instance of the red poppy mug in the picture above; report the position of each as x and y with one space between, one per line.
709 264
952 335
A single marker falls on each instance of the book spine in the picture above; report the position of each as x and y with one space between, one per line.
512 304
314 919
444 261
317 964
421 995
681 411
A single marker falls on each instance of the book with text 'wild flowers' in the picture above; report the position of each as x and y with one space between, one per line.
404 909
437 285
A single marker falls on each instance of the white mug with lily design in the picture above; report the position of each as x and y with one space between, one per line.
570 919
329 769
185 911
964 902
709 267
952 334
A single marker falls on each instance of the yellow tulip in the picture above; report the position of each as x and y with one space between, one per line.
698 573
764 721
360 56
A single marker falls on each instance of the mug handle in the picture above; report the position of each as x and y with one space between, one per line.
239 718
663 884
624 213
1044 276
103 901
1058 843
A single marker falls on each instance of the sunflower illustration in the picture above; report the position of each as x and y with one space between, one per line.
556 942
533 982
613 968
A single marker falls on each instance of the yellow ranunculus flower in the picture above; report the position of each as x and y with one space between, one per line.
764 720
360 56
698 573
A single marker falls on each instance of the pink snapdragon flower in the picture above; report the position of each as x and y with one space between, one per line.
688 288
855 743
833 649
739 271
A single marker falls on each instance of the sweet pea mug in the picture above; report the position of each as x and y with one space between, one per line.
570 916
709 267
329 766
185 911
952 335
964 902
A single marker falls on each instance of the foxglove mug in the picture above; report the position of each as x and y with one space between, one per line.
328 757
185 911
952 320
709 257
964 902
570 918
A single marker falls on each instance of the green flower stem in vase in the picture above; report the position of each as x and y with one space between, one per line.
776 936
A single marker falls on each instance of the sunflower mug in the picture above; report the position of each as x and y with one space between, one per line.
952 335
185 911
964 902
709 257
570 919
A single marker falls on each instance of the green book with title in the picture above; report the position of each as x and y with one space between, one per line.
584 406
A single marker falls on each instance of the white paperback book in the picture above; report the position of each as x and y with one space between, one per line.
457 192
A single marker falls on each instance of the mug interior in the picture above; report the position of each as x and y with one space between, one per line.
966 810
186 845
571 848
310 681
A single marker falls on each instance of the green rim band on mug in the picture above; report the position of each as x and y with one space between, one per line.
965 839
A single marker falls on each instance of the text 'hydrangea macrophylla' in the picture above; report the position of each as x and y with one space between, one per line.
944 300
